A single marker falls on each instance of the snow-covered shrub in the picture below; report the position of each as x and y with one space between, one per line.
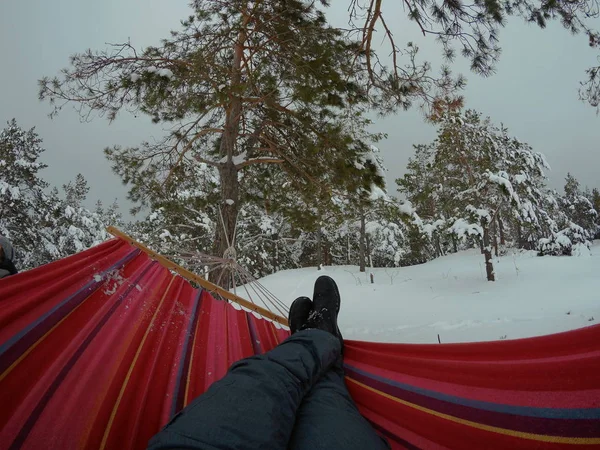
388 243
563 242
557 245
582 250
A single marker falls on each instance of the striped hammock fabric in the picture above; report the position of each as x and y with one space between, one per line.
99 350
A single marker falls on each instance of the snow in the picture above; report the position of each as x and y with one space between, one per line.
229 202
581 250
237 159
450 297
135 77
429 228
14 191
69 212
113 281
165 73
479 212
502 179
26 164
371 158
406 208
462 228
521 178
74 231
377 193
562 239
155 214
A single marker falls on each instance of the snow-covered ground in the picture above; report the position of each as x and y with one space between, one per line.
450 297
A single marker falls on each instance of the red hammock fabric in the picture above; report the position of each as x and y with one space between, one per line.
100 349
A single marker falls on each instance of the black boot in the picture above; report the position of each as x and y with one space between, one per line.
299 312
326 306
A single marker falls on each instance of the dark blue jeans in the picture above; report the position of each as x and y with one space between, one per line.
291 397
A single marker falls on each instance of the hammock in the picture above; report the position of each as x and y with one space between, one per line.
101 349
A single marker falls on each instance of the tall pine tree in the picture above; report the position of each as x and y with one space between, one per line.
473 183
242 84
22 199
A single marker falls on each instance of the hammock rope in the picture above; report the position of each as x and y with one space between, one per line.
272 309
228 265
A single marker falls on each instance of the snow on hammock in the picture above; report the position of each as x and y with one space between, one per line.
101 349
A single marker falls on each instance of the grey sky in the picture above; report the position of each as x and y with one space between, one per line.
534 92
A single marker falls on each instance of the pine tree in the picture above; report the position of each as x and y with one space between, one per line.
22 199
43 226
70 226
183 216
434 206
110 216
574 220
76 191
241 85
578 208
473 183
388 235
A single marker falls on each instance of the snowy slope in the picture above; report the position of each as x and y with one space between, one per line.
533 296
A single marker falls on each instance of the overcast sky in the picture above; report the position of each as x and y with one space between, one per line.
534 92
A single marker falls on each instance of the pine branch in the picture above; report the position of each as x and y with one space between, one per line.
251 162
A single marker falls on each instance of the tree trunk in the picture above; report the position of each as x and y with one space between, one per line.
361 244
438 246
327 255
501 230
227 171
494 238
496 252
368 245
487 252
348 250
454 244
225 231
319 249
522 242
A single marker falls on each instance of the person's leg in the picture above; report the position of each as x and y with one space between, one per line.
328 419
254 406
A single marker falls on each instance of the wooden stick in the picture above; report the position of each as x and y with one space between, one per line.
190 276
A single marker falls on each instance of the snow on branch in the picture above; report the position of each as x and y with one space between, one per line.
502 180
461 228
407 208
263 160
480 213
